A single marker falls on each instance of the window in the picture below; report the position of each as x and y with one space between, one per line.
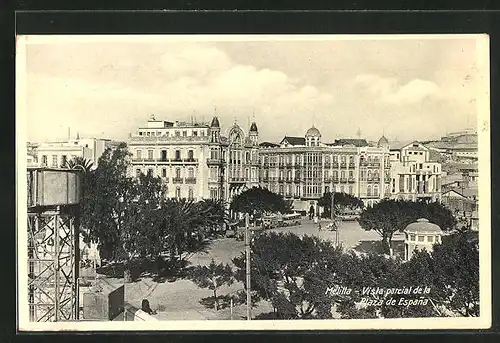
421 238
190 194
177 155
430 239
177 134
184 133
150 154
351 175
64 160
150 172
412 238
178 173
164 155
138 172
195 133
327 189
54 160
351 190
44 160
164 172
191 173
138 153
190 155
375 190
342 189
178 192
369 191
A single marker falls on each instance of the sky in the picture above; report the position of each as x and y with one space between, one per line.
405 89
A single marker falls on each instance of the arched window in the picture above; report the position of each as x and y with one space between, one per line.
190 194
178 192
369 191
375 190
369 175
178 173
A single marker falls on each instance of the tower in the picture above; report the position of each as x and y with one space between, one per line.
215 131
53 249
254 134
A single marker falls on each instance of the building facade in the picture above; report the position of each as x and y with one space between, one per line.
195 160
414 176
302 169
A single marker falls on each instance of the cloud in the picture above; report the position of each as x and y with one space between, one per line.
389 89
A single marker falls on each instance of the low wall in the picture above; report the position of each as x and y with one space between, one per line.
142 316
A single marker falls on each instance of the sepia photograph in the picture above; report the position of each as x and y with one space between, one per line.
279 182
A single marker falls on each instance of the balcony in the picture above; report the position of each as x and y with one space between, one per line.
191 160
296 179
351 180
352 165
236 179
387 180
343 179
335 165
328 179
297 165
343 165
191 180
296 196
335 179
162 160
281 179
177 180
215 161
328 165
281 165
176 160
289 164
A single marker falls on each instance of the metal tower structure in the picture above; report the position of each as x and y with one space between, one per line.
53 247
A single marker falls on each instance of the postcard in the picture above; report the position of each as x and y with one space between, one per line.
253 182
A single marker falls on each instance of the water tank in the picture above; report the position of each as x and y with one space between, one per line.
53 187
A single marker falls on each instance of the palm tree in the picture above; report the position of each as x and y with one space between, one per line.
79 162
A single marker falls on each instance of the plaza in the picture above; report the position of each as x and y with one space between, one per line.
179 298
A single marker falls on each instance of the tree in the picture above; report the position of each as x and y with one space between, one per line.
289 271
456 268
341 200
389 216
212 277
117 210
79 162
259 200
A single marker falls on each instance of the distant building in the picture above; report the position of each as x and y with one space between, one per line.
414 176
56 154
421 235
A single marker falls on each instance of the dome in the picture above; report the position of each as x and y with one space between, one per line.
253 127
313 132
423 225
215 122
382 141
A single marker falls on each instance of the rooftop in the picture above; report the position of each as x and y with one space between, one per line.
423 225
351 141
294 140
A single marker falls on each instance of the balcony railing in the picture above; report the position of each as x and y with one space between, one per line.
143 159
236 179
352 165
296 179
162 160
343 165
335 179
190 160
177 180
215 161
335 164
176 160
191 180
343 179
328 179
352 180
328 165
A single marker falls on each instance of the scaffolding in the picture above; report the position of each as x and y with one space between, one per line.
53 247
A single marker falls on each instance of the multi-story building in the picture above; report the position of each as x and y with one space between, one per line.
414 176
194 160
302 169
55 154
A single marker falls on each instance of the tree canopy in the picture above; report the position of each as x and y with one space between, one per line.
341 201
259 200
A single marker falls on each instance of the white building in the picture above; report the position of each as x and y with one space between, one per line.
194 160
414 176
55 154
421 235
